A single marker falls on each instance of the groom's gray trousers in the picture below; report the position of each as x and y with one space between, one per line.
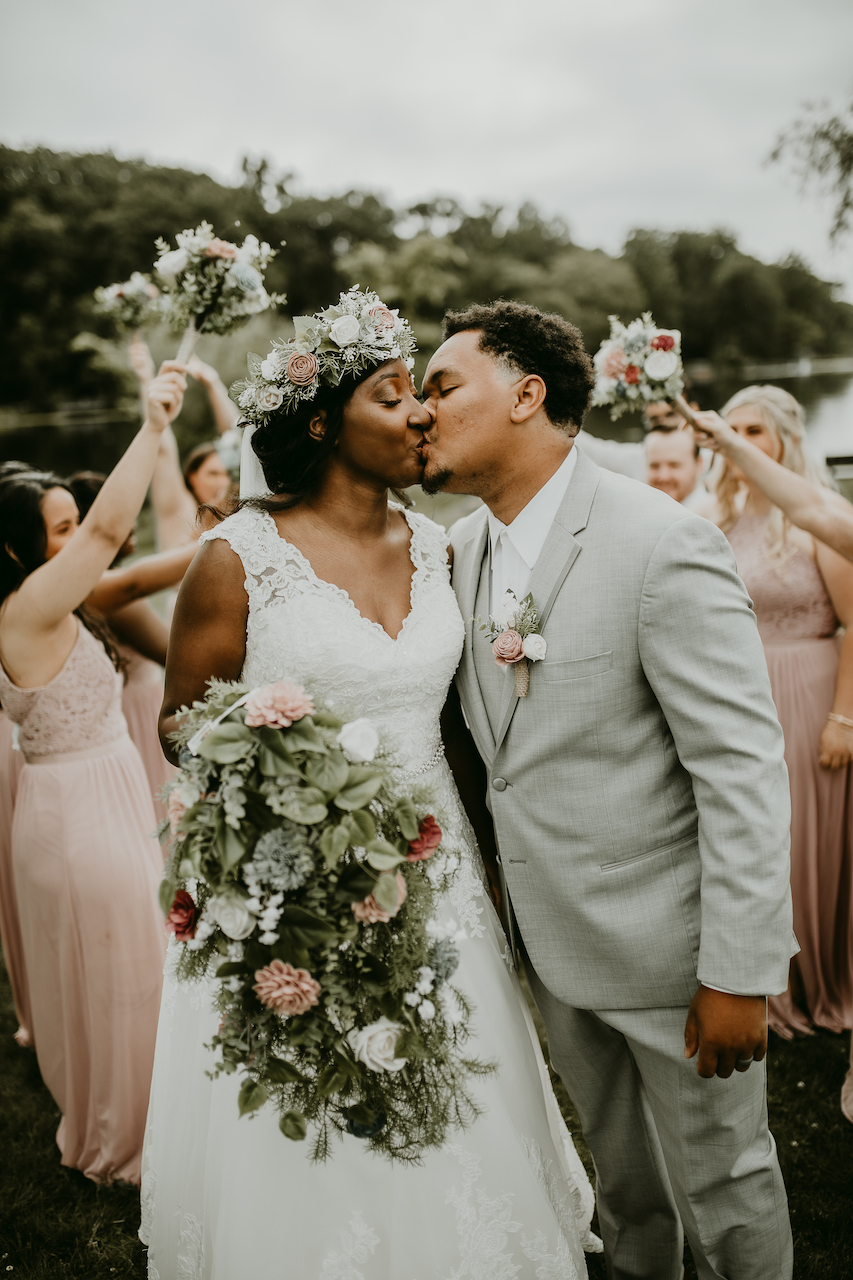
670 1148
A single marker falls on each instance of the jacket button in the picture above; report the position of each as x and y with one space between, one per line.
499 784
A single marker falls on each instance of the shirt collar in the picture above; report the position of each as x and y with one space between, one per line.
529 529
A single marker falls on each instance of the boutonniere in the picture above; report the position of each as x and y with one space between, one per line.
514 634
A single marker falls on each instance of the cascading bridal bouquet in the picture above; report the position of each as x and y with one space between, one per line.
211 285
310 887
639 363
133 304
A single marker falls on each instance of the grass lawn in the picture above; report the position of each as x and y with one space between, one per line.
56 1225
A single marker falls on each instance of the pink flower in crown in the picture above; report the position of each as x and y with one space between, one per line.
382 317
614 363
508 648
220 249
370 912
286 990
302 369
277 704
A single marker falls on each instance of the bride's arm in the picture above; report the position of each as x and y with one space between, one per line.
208 636
469 773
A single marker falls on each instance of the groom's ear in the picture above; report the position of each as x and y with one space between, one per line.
530 393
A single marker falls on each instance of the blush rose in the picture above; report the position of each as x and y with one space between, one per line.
302 369
508 648
182 916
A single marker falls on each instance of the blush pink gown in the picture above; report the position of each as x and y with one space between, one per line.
141 700
797 624
86 874
11 762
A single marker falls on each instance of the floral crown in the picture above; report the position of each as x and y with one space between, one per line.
351 337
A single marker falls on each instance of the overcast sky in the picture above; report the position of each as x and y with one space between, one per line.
612 113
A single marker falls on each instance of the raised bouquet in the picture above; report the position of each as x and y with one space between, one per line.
211 285
637 364
131 305
309 885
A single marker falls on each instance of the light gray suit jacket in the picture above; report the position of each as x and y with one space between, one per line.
639 792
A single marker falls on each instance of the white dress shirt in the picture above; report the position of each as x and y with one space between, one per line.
515 548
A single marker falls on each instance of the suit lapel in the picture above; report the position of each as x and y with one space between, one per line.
467 567
559 553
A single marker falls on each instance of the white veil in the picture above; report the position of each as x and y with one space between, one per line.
252 481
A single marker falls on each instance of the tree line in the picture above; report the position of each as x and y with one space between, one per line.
69 223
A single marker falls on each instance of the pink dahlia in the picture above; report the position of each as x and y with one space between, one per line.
287 990
277 704
370 912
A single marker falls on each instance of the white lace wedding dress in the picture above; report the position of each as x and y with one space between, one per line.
225 1198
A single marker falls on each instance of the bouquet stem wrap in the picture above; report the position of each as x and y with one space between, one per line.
189 341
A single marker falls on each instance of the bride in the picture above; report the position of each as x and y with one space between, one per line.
329 584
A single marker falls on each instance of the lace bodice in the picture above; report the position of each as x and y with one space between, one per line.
308 630
78 710
791 601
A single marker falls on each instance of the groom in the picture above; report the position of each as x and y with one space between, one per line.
639 797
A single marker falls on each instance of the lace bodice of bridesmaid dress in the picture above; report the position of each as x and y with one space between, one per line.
789 595
80 709
308 630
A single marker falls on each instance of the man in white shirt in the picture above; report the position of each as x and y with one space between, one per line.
674 464
639 798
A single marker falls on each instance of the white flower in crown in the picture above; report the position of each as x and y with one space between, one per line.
345 330
269 398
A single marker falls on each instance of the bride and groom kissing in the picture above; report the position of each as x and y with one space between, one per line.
631 812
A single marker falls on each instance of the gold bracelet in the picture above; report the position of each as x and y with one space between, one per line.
833 715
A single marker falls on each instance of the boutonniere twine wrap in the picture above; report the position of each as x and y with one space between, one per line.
211 285
310 887
516 641
637 364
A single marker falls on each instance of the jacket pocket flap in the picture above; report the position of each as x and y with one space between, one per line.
578 668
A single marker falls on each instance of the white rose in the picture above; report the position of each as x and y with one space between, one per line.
344 330
661 365
271 367
535 648
171 264
268 398
233 918
359 741
376 1045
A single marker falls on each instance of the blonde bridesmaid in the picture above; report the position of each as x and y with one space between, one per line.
85 868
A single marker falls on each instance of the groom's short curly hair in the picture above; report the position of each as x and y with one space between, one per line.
533 341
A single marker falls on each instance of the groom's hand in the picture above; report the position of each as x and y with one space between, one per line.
727 1032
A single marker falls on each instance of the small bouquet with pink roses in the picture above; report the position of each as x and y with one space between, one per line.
309 888
132 304
637 364
211 285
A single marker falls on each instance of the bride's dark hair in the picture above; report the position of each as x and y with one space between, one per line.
293 460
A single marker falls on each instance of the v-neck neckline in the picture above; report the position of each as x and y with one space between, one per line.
342 594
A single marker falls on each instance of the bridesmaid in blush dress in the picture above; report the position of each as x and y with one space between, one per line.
802 593
86 871
10 929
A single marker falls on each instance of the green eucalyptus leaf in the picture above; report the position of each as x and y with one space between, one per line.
361 786
293 1126
227 743
302 928
333 842
168 889
362 827
384 861
302 736
355 883
273 765
407 818
307 806
254 362
329 773
281 1072
360 1113
251 1097
231 969
327 720
229 844
330 1080
385 891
